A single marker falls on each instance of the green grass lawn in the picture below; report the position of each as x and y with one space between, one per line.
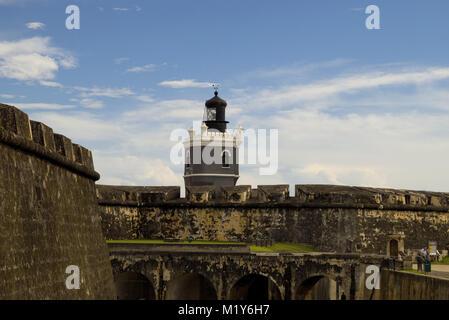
277 247
170 242
283 247
444 261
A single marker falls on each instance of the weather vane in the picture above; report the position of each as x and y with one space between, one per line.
215 86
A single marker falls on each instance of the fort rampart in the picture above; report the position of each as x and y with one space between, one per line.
402 285
329 218
49 217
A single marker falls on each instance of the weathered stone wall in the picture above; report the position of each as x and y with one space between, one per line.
49 217
292 275
401 285
330 218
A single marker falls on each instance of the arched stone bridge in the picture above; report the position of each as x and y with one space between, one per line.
172 271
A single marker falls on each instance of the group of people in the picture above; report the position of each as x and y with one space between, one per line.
425 256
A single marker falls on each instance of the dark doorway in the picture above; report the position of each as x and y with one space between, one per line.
133 286
255 287
192 286
394 248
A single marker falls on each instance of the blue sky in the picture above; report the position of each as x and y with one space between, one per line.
353 106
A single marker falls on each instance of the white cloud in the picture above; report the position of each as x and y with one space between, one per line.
185 83
134 170
51 84
323 91
249 175
386 128
342 174
145 68
32 59
125 152
399 150
168 110
48 106
120 9
394 133
86 103
7 96
296 69
91 104
31 66
145 98
81 126
35 25
426 97
104 92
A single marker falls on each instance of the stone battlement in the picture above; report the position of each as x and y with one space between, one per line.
50 218
18 131
276 195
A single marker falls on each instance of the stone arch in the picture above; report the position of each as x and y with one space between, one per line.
318 287
191 286
132 285
255 287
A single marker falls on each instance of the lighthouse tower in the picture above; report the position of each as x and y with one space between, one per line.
211 155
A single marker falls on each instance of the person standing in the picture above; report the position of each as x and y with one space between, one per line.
420 259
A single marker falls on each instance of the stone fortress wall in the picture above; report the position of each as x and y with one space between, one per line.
52 215
400 285
49 217
327 217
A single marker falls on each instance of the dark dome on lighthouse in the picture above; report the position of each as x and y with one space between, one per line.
216 101
215 114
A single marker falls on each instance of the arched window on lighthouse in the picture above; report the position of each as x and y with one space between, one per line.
187 160
225 159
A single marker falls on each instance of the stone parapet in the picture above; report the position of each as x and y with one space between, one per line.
306 196
17 131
